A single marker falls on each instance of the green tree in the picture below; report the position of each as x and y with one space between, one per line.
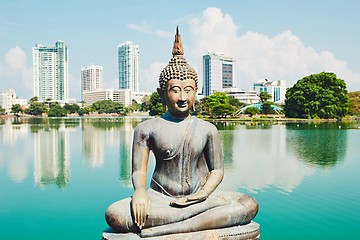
354 103
266 108
145 102
85 110
16 109
264 96
318 95
252 111
34 99
236 103
155 105
57 111
2 111
134 106
108 106
218 105
71 108
36 108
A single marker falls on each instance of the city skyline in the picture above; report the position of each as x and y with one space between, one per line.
277 41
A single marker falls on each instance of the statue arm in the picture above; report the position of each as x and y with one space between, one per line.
214 159
141 203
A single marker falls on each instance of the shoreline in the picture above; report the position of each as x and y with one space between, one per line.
259 118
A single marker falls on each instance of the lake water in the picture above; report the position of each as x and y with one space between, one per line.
57 176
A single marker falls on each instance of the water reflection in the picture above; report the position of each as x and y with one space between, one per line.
93 140
113 133
52 155
125 154
261 159
227 139
256 155
18 161
322 145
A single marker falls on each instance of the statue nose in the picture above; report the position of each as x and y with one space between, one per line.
182 96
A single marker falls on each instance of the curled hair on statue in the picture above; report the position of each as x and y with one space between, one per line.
177 68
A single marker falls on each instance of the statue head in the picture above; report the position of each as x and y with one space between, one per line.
177 70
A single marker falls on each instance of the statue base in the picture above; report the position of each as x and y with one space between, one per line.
249 231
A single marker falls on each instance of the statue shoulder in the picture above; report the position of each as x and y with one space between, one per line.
146 127
206 126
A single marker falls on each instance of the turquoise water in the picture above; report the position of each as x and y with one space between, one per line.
57 176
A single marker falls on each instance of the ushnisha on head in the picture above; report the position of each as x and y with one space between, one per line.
177 68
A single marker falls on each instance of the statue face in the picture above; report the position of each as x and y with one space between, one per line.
180 96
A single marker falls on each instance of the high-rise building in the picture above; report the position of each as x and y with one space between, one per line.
50 71
128 57
91 78
218 72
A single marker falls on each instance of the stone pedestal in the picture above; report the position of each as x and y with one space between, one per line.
244 232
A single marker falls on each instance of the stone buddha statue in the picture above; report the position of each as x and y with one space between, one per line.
182 198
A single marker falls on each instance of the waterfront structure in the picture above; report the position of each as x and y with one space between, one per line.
123 96
247 97
91 78
50 71
277 89
8 99
128 59
218 72
259 106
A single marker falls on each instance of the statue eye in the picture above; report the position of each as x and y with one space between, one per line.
175 89
188 90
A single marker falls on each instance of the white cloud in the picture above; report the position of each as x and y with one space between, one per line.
164 34
150 76
258 56
142 27
15 73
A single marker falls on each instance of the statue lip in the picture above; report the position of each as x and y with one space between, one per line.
182 104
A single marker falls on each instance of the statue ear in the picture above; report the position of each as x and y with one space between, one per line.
161 93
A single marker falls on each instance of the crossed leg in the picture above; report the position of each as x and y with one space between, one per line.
221 209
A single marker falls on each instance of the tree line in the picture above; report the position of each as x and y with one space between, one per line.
321 95
54 109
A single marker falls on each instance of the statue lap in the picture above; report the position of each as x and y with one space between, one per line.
238 208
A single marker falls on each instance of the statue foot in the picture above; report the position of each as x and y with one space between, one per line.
161 230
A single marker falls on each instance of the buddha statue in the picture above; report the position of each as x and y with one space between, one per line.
182 197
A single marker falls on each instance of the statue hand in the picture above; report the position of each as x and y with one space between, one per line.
141 205
197 197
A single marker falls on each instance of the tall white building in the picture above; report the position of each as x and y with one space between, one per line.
218 72
276 89
128 58
50 71
91 78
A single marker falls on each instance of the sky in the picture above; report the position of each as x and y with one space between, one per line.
272 39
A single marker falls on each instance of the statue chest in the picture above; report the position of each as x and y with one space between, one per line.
178 144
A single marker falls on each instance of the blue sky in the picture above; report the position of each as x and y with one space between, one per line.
276 40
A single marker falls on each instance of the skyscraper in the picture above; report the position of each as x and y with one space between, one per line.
91 78
218 72
50 71
128 57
